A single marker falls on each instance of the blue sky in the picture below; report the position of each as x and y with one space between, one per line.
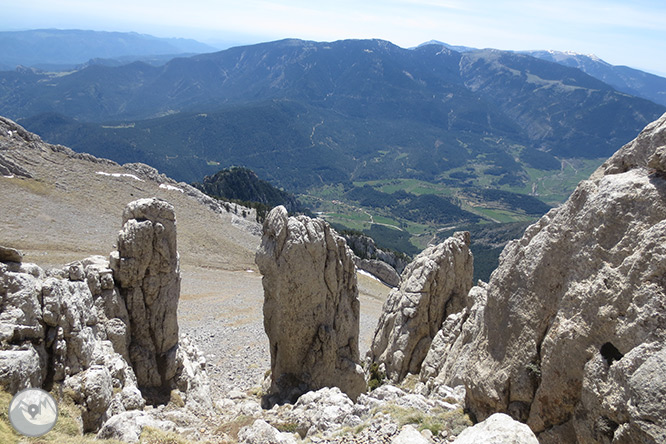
627 32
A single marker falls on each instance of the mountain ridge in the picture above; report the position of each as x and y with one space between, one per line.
623 78
65 49
321 119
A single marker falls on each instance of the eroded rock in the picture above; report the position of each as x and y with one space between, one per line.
147 271
568 335
311 306
434 285
127 426
70 327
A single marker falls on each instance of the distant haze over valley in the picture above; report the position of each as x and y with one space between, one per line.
401 144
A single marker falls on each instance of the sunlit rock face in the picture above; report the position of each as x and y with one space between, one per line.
434 285
311 307
569 334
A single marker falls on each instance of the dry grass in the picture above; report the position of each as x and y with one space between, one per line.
66 429
69 210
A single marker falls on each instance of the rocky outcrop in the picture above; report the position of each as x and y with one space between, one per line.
379 269
570 332
81 327
434 285
409 435
365 248
146 267
56 327
311 307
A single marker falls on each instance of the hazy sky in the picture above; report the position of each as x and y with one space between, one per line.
622 32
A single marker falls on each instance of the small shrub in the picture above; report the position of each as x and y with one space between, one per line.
534 369
377 377
409 383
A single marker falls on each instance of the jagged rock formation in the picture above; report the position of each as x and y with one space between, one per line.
569 335
146 267
311 306
365 248
79 327
434 285
379 269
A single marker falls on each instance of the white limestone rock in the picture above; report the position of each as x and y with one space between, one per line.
497 429
260 432
409 435
324 410
21 367
127 426
434 285
568 335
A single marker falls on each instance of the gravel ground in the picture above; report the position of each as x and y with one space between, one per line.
221 311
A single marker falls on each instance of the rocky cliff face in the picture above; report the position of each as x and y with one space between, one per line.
311 306
434 285
101 330
569 335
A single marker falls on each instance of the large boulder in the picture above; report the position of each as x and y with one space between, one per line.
569 335
147 271
497 429
434 285
128 426
311 306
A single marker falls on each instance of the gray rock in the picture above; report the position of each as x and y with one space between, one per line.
10 255
434 285
146 269
568 335
311 306
92 389
381 270
497 429
326 409
409 435
21 368
127 426
447 360
191 377
365 248
260 432
21 315
70 316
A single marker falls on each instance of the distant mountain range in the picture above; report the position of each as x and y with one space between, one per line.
55 49
442 137
300 113
623 78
